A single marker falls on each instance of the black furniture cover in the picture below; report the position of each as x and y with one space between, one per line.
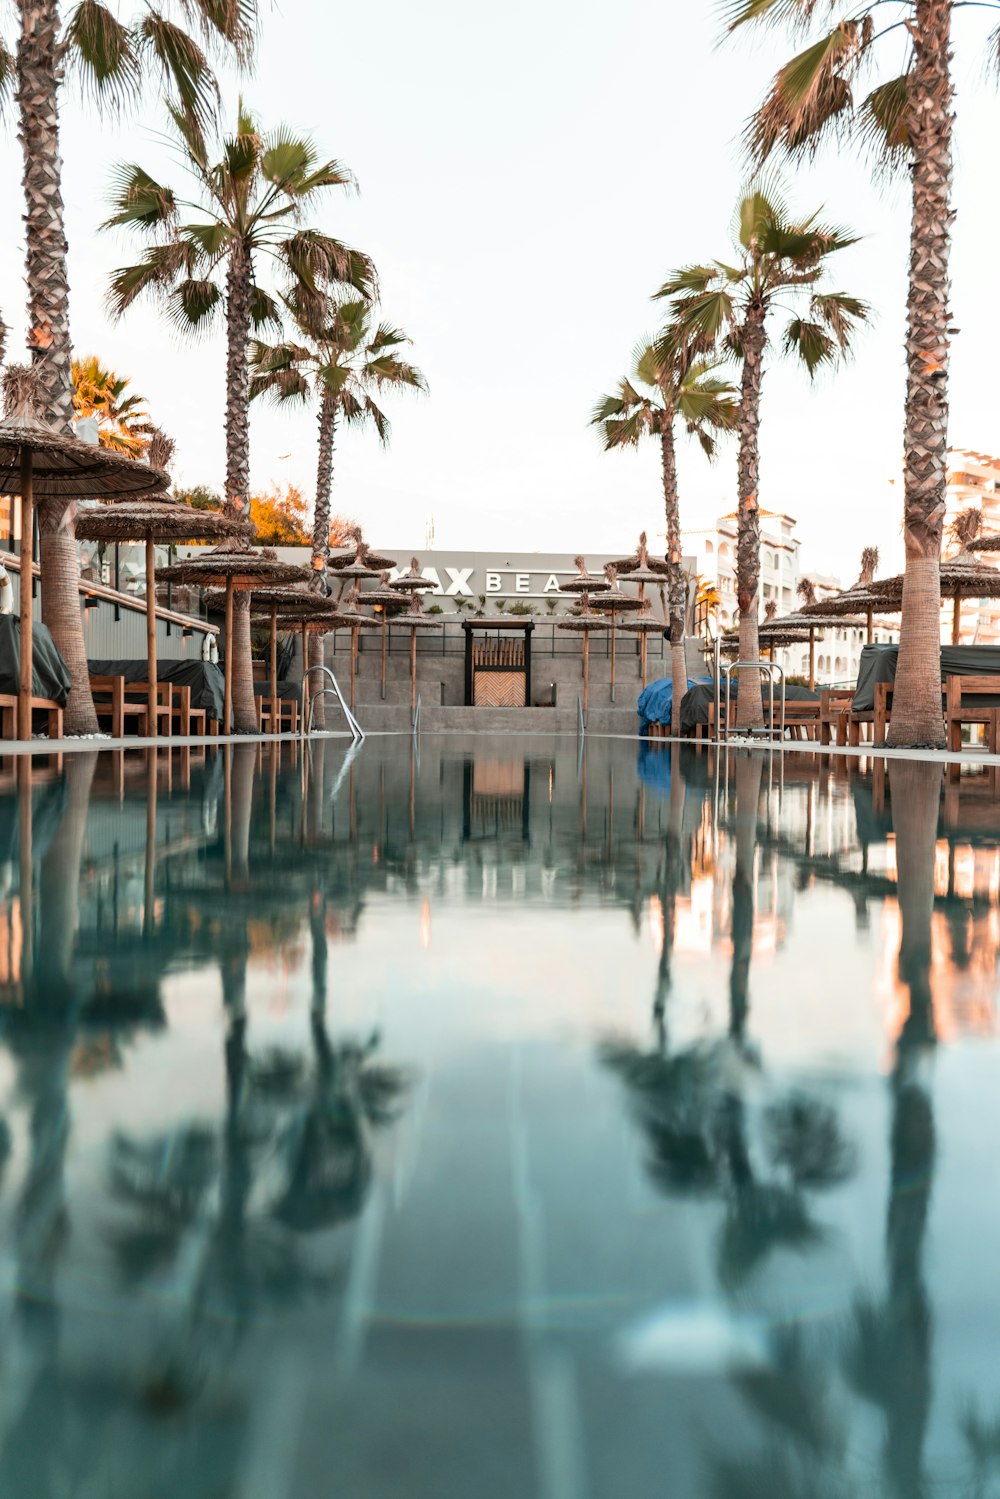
49 674
208 688
696 701
878 664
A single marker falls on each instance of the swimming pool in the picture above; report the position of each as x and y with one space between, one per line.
498 1118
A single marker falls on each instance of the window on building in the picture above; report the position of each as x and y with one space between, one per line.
710 548
725 551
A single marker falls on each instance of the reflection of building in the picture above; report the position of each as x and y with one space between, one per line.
973 479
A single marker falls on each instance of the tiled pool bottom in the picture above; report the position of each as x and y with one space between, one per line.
498 1120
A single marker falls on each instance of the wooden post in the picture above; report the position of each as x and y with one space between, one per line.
151 668
274 663
305 670
812 659
385 641
26 869
413 671
643 641
354 662
614 632
956 619
871 626
227 710
27 562
586 668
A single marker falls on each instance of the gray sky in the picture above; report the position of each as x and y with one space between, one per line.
529 175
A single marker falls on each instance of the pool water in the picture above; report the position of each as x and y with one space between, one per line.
498 1118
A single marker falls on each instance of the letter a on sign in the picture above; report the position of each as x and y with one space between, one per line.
552 586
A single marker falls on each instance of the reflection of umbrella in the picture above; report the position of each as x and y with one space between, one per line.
361 555
584 623
413 581
611 600
383 600
643 625
241 569
39 463
154 518
583 582
413 621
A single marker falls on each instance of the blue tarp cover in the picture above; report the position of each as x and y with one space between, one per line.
656 701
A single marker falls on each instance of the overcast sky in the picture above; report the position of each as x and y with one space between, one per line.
529 174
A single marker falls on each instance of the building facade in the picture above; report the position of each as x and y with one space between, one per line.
973 479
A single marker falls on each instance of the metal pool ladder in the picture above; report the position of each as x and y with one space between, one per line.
357 732
725 671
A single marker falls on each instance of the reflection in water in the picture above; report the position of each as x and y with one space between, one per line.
312 1066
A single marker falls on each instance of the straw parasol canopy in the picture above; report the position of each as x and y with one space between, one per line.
802 624
584 582
240 568
50 468
361 555
584 624
652 569
153 518
385 600
295 606
413 620
412 581
962 576
643 624
859 598
347 616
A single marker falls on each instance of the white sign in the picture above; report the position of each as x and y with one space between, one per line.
493 582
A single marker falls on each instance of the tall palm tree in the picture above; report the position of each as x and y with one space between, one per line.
342 359
123 422
248 206
780 260
904 121
668 380
112 59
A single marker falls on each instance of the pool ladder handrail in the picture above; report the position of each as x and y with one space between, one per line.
415 725
357 732
581 721
770 667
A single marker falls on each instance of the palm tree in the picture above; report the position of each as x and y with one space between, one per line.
904 122
123 423
344 360
673 383
780 260
112 59
249 206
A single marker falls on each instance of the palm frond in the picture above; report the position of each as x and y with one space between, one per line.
691 278
183 66
882 124
839 312
159 268
703 317
231 21
264 310
100 51
138 199
810 342
316 259
738 13
193 305
811 94
8 73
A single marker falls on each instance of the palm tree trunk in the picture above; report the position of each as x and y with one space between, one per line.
748 778
916 710
238 282
244 705
315 652
749 706
324 479
49 335
678 664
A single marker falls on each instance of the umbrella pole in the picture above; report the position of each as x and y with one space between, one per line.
227 705
871 626
151 667
642 655
305 674
413 672
27 576
586 669
812 660
354 663
956 619
274 662
385 639
614 632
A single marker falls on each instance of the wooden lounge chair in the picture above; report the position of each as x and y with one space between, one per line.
188 720
114 707
962 707
8 715
834 712
277 715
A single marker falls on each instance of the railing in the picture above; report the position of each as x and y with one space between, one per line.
768 731
416 716
357 733
581 721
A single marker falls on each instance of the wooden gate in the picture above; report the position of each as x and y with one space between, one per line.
497 664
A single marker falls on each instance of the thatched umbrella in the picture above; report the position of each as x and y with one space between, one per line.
811 617
641 561
413 581
584 582
643 625
240 568
385 600
48 467
611 600
289 605
584 623
349 617
154 518
414 620
361 555
859 598
962 576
